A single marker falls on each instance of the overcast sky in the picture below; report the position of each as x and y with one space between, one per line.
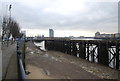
65 17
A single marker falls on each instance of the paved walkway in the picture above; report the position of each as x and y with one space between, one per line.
9 62
57 65
12 71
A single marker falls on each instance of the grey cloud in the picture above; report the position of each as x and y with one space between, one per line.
99 14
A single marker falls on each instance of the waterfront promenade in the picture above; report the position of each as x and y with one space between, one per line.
57 65
9 61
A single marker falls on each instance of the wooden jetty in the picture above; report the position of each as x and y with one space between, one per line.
106 52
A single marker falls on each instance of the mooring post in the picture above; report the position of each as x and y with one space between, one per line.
55 45
103 57
52 47
82 50
64 49
92 54
45 44
63 46
117 54
68 47
74 48
87 52
49 45
71 47
60 44
52 44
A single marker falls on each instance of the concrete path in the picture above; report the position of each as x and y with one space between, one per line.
12 71
57 65
9 62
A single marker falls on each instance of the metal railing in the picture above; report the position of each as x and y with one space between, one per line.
21 69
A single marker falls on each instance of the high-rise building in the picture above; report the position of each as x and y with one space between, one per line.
24 33
51 33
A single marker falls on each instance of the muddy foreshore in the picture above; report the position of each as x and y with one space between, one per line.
57 65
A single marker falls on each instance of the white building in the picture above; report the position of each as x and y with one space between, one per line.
97 34
105 35
117 35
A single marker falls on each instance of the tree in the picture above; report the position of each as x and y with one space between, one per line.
14 28
10 27
5 28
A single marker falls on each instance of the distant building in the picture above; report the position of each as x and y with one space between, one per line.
81 37
24 33
29 38
98 35
42 36
105 35
117 35
51 33
112 35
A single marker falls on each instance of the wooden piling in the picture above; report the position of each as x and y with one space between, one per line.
103 53
97 50
117 54
82 49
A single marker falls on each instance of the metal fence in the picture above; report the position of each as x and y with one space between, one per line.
21 60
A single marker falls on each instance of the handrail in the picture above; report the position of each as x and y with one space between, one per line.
21 68
21 71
